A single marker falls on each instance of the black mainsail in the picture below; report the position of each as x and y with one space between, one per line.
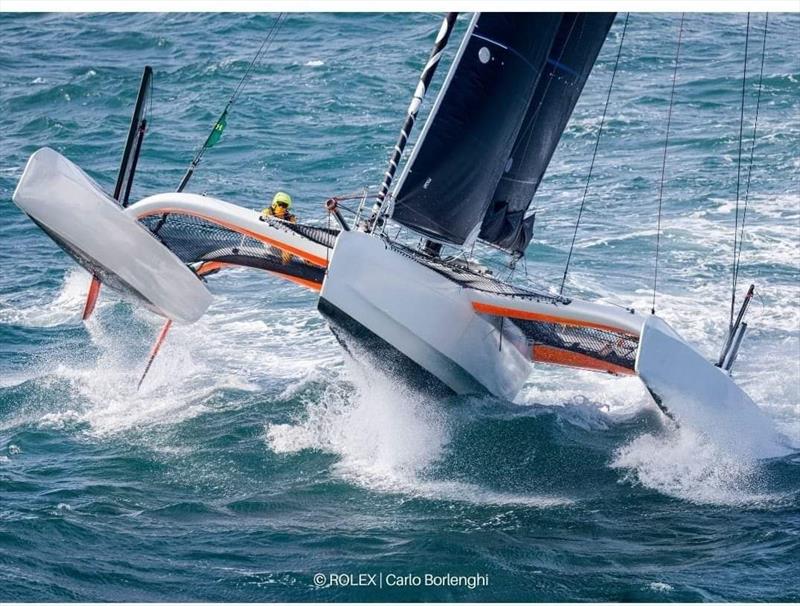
578 42
490 109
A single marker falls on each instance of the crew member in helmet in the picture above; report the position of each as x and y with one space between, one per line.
279 209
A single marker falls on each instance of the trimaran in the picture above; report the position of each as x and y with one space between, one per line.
446 321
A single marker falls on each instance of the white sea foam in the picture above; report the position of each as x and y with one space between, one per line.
474 494
315 63
586 399
387 437
684 464
65 308
238 345
106 396
382 429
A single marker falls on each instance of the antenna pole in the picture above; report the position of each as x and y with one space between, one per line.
734 328
734 272
413 109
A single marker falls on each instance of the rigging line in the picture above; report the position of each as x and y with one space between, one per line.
268 39
265 44
219 125
594 154
752 151
738 174
328 250
664 160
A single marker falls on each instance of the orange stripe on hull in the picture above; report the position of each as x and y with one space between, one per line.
313 259
508 312
553 355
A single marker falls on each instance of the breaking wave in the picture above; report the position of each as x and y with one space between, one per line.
387 437
684 464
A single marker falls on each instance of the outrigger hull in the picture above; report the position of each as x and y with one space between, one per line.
110 244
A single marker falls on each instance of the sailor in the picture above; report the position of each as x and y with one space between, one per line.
281 204
279 209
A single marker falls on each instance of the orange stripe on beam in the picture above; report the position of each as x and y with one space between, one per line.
301 281
210 266
313 259
496 310
553 355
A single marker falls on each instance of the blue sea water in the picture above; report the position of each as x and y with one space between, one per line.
257 455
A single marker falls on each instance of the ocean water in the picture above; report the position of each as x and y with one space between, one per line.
256 455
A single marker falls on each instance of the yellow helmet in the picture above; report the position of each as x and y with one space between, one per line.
282 198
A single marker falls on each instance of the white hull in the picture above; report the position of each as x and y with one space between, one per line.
697 394
425 316
90 225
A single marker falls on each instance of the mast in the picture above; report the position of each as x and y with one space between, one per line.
413 109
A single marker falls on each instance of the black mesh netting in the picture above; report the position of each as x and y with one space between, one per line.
194 239
614 348
469 278
326 236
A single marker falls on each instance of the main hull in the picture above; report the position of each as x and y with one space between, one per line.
398 304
